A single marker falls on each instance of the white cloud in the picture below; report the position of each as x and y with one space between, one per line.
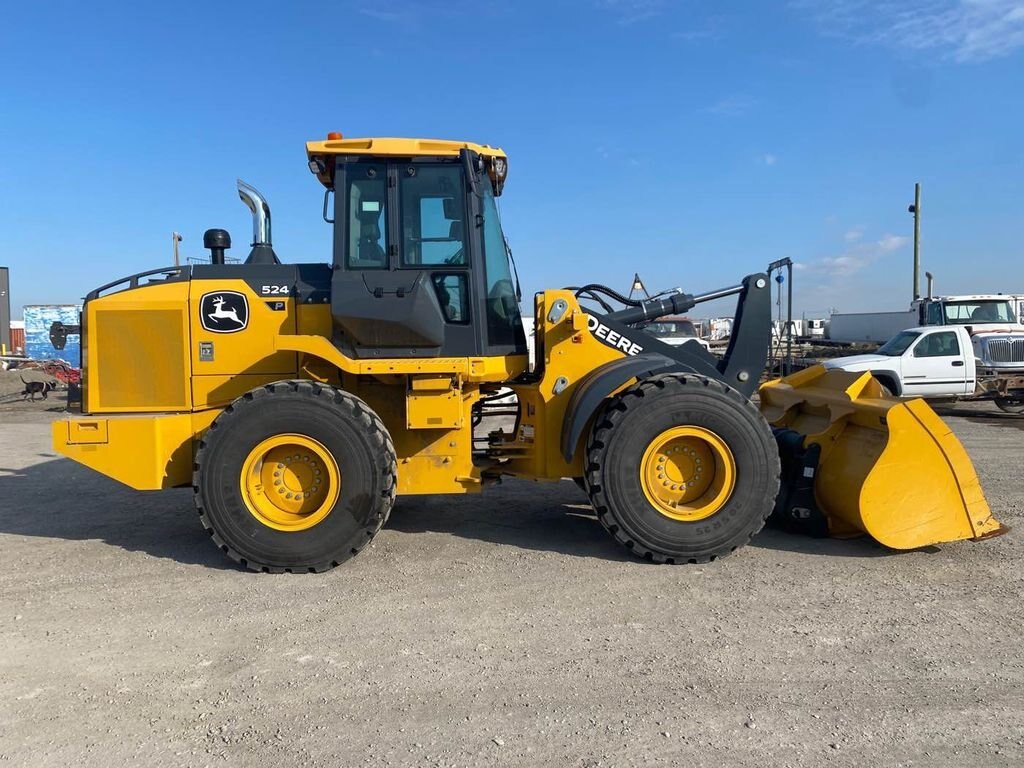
694 35
853 235
731 106
632 11
890 243
390 12
964 30
856 257
769 159
711 29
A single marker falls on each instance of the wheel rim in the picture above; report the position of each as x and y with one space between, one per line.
290 482
688 473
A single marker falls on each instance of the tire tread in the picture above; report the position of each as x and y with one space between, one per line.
609 420
343 400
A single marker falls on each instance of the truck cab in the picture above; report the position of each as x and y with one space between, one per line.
927 361
993 311
993 325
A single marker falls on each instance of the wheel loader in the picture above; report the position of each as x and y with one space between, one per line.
299 399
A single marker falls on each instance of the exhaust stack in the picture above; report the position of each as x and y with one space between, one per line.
928 276
262 248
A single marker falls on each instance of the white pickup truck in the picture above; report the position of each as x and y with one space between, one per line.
947 361
676 331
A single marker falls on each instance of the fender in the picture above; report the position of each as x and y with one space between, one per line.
597 385
893 377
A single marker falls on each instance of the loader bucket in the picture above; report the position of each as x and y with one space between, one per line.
873 464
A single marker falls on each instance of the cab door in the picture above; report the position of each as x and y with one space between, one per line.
935 366
403 260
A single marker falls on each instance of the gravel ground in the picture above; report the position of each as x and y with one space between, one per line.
506 629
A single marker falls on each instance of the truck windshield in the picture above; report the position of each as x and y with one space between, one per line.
898 344
672 328
978 311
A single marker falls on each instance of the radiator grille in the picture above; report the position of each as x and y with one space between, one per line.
139 358
1006 350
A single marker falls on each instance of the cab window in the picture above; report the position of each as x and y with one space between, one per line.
942 344
433 216
367 217
453 296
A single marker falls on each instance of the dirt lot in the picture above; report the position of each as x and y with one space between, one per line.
502 630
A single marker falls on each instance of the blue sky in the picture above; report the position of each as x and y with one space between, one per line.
692 142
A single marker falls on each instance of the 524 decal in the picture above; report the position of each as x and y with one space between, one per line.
275 290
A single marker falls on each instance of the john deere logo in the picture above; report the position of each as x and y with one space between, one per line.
224 312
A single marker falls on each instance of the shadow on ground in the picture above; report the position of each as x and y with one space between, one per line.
992 417
557 517
59 499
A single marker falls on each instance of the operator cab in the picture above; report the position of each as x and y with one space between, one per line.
420 265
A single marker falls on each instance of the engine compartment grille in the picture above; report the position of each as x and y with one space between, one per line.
1005 350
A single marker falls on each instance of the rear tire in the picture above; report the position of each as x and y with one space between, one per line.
682 468
294 476
1008 405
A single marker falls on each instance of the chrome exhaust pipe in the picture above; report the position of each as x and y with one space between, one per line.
256 203
262 248
930 279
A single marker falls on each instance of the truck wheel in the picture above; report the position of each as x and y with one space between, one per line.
682 469
294 476
889 387
1009 405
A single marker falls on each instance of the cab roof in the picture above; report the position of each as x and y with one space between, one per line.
335 144
397 147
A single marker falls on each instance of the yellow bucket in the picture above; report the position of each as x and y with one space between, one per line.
889 468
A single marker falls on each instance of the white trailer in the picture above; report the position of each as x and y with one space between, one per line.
814 328
875 327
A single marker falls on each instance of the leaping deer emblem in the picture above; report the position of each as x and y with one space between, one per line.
219 313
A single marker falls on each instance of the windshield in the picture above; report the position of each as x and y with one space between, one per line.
504 325
979 311
898 344
676 328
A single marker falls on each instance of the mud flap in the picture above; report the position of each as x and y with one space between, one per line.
858 462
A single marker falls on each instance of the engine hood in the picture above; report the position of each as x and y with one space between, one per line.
861 362
996 331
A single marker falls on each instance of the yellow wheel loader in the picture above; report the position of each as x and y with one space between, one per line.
299 399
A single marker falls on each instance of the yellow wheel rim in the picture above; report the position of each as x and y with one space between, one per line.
290 482
688 473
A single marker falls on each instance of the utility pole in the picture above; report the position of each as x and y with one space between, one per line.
175 239
5 311
916 210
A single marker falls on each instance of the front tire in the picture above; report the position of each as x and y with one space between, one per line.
682 468
294 476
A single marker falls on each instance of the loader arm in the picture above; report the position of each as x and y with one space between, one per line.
740 367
